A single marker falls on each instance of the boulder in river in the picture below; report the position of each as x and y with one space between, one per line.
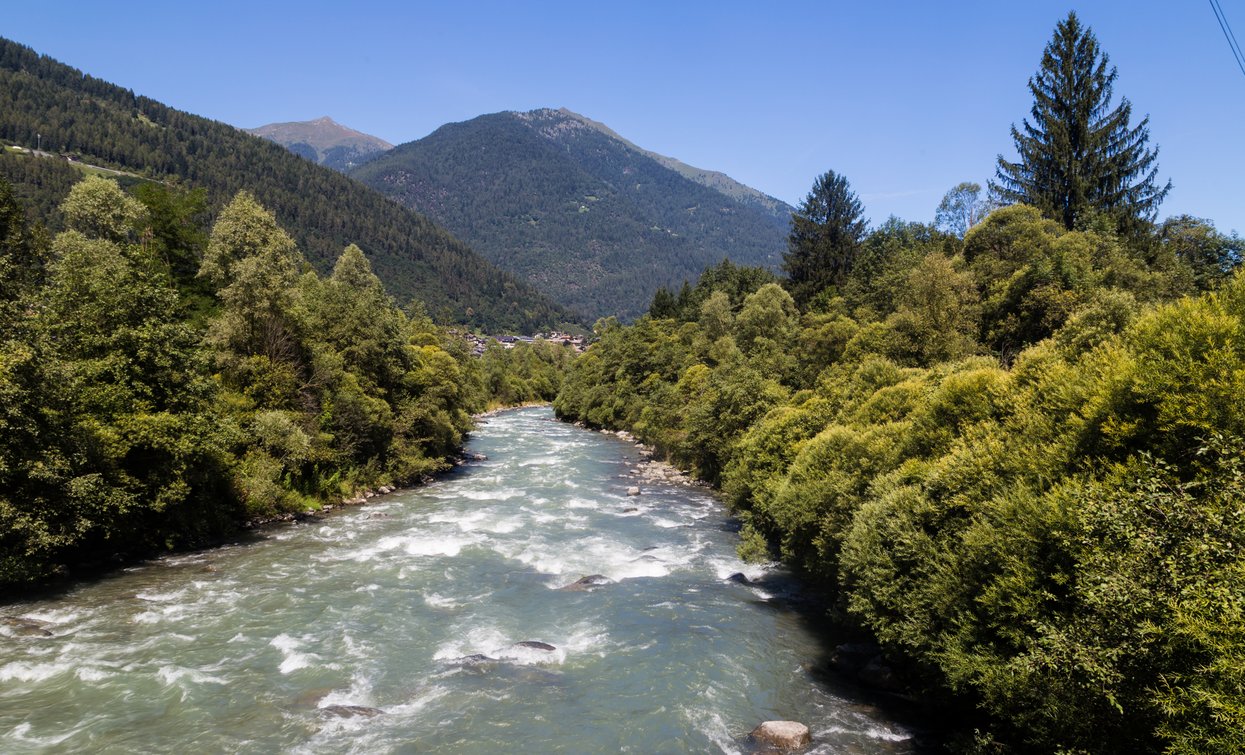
352 711
785 735
633 491
739 578
590 582
529 653
18 626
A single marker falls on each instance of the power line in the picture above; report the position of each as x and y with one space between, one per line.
1227 33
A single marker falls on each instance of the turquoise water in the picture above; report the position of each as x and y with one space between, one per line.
410 609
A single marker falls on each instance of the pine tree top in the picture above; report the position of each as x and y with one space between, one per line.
1078 155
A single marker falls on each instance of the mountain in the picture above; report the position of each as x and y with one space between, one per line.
573 208
713 179
324 141
77 115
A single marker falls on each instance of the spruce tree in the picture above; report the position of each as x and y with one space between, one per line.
1079 156
825 233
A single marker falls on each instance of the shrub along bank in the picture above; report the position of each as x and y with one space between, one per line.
160 383
1017 458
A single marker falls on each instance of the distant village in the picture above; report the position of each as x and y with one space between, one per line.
480 343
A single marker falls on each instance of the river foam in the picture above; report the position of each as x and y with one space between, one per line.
435 620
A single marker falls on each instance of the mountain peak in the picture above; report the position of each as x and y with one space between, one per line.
577 210
324 141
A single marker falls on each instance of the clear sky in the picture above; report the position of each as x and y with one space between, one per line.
905 98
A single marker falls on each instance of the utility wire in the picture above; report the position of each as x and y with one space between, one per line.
1227 33
1226 28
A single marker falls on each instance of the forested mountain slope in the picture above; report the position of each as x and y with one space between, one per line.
571 207
72 113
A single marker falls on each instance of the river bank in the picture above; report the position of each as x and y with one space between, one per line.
424 620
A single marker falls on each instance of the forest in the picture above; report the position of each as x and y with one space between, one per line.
1009 444
73 114
164 382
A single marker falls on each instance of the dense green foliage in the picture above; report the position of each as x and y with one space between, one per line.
528 373
1017 458
579 213
104 124
1079 156
160 385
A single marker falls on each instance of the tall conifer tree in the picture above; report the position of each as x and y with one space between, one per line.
825 234
1079 155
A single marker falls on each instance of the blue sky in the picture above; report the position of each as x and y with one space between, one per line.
905 98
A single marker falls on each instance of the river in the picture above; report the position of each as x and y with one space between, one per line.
395 627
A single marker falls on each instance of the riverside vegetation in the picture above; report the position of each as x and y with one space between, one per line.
1010 443
1014 455
161 384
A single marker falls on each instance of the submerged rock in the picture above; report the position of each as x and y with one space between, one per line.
311 698
739 578
535 645
23 627
589 582
785 735
352 711
475 659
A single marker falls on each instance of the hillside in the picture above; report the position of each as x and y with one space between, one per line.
324 141
713 179
76 114
571 207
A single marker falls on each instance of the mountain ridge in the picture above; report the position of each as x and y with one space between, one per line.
584 215
712 179
77 114
324 141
